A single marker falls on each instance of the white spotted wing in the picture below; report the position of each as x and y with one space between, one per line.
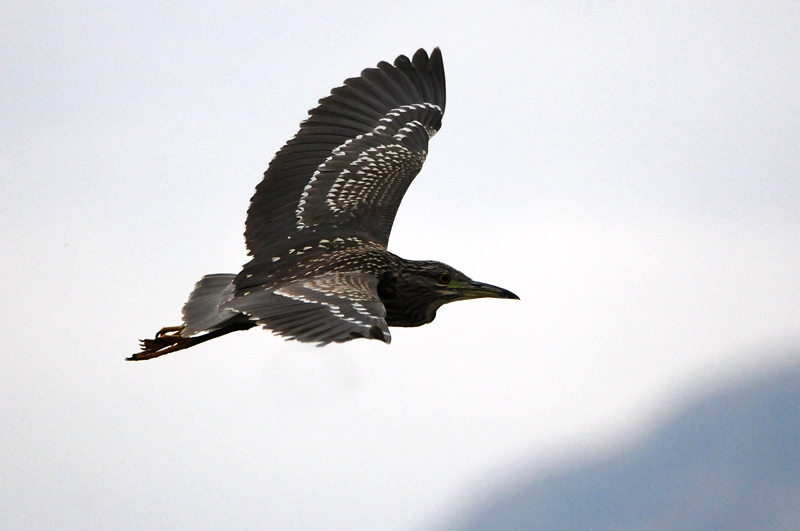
334 307
346 170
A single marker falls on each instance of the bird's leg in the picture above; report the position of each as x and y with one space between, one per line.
169 339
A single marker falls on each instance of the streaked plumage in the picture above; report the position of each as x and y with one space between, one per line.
319 223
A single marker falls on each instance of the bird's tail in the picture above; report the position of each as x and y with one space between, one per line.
204 318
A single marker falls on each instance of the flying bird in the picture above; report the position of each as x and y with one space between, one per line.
318 224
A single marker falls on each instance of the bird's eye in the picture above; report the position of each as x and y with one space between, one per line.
444 278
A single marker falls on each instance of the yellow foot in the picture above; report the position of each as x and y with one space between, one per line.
167 340
169 330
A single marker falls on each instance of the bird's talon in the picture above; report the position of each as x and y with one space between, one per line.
168 331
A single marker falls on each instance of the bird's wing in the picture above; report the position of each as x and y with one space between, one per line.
346 170
334 307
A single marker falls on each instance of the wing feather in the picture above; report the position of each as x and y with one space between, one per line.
411 94
334 307
381 107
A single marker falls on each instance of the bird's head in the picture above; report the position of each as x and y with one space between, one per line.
413 294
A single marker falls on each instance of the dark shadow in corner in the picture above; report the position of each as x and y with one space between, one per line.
729 462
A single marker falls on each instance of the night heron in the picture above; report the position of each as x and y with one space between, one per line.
318 225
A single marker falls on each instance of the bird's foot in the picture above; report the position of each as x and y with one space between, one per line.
167 340
170 330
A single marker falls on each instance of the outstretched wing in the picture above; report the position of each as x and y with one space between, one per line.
335 307
347 169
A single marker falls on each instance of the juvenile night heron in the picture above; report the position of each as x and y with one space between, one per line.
318 225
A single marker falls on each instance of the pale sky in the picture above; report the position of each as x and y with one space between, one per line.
631 170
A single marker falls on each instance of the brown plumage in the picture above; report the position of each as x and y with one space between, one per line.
318 225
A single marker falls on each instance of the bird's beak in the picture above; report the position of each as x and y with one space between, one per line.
477 290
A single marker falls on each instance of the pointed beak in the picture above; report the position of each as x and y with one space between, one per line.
477 290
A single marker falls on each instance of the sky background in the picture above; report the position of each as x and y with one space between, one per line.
630 169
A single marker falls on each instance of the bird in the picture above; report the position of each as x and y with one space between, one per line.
318 225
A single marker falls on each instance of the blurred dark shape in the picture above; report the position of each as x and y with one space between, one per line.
729 462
